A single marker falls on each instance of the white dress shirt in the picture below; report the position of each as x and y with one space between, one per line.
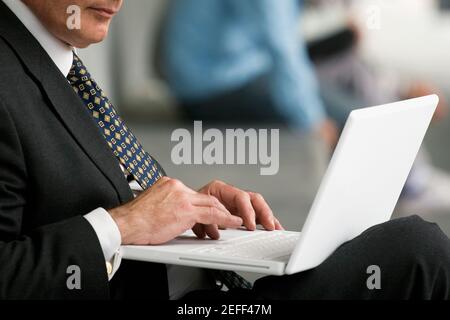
181 280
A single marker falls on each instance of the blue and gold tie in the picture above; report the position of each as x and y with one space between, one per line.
126 147
120 139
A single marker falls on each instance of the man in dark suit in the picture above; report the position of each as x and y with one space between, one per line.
71 170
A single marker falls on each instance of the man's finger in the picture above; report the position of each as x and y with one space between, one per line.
238 202
212 230
278 225
212 215
245 209
199 231
263 212
203 200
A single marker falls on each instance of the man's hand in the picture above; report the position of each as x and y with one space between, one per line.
168 209
250 206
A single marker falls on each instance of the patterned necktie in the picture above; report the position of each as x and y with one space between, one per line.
120 139
126 147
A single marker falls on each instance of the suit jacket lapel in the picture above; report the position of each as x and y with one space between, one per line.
65 101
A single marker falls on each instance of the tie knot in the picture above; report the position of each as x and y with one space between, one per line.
78 73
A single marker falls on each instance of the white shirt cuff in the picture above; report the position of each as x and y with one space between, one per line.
109 237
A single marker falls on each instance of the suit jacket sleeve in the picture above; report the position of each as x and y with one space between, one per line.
38 265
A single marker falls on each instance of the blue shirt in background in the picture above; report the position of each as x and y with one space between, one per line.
214 46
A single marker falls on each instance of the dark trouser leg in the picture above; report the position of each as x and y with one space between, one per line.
413 256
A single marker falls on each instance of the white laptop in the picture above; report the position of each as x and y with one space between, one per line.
359 190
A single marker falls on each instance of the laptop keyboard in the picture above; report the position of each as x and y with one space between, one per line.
266 245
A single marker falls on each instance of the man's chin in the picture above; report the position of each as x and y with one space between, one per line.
85 42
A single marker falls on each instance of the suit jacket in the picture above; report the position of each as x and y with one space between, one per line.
55 166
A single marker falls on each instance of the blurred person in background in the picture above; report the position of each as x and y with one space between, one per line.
348 82
242 61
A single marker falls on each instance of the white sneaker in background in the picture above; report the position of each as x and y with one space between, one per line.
433 199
